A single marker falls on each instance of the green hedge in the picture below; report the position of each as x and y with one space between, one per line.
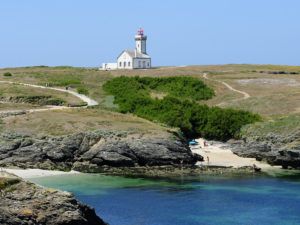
179 108
7 74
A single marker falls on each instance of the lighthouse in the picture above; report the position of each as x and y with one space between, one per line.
133 59
140 42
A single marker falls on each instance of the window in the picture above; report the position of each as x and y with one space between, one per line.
144 64
148 64
120 64
128 64
140 64
124 64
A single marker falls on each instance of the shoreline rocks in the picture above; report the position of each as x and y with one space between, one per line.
93 150
28 204
171 172
273 148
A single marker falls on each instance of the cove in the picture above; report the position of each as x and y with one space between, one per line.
206 200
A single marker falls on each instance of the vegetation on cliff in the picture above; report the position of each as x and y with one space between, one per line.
178 108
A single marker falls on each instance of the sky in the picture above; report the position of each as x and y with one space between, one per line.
180 32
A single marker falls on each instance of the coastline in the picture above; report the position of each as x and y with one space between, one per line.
35 173
219 154
219 160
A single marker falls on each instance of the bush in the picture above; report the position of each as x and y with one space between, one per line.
178 108
82 90
7 74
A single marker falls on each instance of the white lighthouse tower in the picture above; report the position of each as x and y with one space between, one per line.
140 42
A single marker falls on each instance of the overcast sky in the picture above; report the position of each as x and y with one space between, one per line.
181 32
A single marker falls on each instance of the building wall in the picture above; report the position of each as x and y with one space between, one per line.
142 63
124 61
109 66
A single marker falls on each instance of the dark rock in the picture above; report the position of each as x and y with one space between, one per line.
272 148
99 148
26 142
27 204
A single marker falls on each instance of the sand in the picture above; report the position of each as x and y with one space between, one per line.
33 173
219 154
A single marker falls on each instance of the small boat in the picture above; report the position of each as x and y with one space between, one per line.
193 142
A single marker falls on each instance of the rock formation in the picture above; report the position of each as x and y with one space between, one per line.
272 148
91 150
28 204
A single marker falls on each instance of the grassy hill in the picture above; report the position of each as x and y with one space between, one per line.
274 90
10 94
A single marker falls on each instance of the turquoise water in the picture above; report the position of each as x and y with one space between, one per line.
207 201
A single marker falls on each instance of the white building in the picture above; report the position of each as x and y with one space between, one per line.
132 59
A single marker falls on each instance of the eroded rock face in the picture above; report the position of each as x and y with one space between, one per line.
274 149
92 150
27 204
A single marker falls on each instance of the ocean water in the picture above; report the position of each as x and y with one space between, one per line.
258 200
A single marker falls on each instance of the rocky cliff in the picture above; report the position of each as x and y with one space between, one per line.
28 204
283 150
92 151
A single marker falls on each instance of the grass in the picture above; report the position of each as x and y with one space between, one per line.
16 91
92 80
8 106
63 122
77 78
280 125
83 90
272 102
267 98
273 95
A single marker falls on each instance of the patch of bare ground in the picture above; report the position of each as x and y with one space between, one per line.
157 95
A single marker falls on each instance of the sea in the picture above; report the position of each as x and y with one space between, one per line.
201 200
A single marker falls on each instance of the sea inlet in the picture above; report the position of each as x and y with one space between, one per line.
207 200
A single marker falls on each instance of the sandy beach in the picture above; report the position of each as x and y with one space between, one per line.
218 154
33 173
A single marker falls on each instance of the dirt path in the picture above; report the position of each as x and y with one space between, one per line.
245 94
88 100
84 98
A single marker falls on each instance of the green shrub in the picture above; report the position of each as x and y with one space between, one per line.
178 108
7 74
83 90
